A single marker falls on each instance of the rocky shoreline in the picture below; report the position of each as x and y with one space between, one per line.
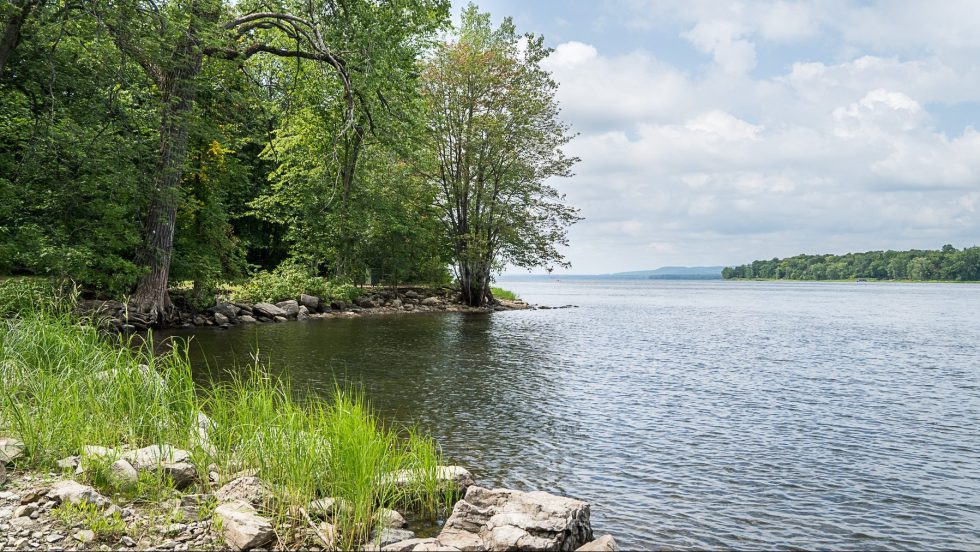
52 511
121 317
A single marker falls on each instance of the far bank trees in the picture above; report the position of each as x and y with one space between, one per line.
494 140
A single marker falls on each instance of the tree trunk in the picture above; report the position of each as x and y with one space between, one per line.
11 31
179 91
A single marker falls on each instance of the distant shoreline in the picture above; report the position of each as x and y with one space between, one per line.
854 280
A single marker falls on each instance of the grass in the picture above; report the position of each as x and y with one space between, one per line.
64 385
506 295
91 517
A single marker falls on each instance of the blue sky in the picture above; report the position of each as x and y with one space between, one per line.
722 132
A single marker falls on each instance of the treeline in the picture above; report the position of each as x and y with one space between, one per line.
947 264
145 145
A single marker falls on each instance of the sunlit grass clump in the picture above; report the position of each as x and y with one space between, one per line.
64 385
506 295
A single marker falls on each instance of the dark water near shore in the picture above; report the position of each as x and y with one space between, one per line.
690 414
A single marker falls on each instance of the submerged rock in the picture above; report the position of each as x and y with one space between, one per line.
605 543
504 519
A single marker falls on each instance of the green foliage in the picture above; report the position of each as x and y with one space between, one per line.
22 295
288 281
494 139
946 264
506 295
91 517
63 387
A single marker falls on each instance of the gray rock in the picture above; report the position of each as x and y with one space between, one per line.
221 319
125 540
53 538
248 489
390 518
605 543
311 302
411 545
303 314
74 492
504 519
290 307
338 305
69 462
431 302
182 473
227 310
388 536
241 527
279 319
267 309
154 456
456 478
366 303
200 321
395 303
246 319
84 536
328 507
124 472
411 295
10 449
25 510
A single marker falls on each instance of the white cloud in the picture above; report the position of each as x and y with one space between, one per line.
724 41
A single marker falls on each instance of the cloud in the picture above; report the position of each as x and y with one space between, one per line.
723 40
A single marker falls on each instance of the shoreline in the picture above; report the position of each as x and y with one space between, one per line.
852 281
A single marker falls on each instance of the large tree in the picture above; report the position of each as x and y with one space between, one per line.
495 140
170 40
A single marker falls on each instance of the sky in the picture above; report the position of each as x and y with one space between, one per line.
717 133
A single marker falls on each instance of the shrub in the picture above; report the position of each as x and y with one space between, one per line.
288 281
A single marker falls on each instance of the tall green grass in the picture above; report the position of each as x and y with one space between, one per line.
64 386
506 295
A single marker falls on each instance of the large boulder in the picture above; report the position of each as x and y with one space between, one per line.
504 519
291 308
268 310
75 493
311 302
226 309
241 527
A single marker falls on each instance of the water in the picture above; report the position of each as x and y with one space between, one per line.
690 414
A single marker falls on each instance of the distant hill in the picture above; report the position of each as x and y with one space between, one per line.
663 273
674 273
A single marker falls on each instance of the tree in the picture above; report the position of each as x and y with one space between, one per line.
169 42
494 139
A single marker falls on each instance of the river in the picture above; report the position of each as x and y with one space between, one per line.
690 414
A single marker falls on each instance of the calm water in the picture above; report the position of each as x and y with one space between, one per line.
690 414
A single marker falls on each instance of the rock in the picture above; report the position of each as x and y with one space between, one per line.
390 518
409 307
3 473
25 510
84 536
338 305
53 538
221 319
113 511
504 519
248 489
127 541
227 310
311 302
69 462
268 309
74 492
154 456
246 319
290 307
455 477
431 302
388 536
410 545
328 533
33 495
182 473
303 314
366 303
10 449
279 319
605 543
124 472
411 294
328 507
241 527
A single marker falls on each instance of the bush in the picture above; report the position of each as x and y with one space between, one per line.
288 281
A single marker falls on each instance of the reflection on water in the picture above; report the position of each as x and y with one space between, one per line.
691 414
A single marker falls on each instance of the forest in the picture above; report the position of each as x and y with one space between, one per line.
154 146
946 264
